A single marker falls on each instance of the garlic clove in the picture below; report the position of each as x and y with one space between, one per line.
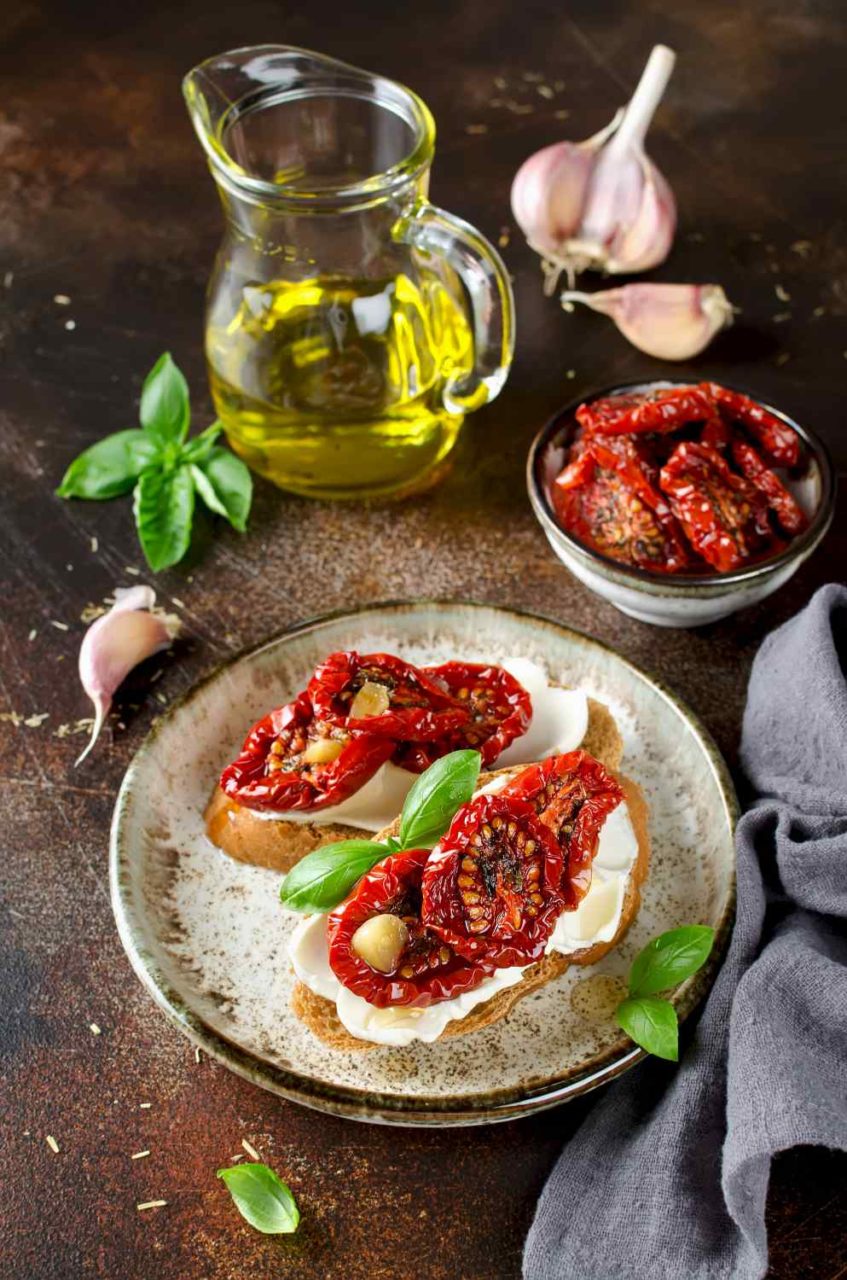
373 699
117 642
668 321
548 192
645 240
380 942
601 203
322 751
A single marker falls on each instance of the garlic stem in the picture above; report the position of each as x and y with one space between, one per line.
622 183
642 105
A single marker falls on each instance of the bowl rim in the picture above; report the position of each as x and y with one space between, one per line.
798 549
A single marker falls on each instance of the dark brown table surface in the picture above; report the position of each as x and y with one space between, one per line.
106 200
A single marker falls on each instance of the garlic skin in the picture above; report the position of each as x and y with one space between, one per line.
668 321
600 204
117 642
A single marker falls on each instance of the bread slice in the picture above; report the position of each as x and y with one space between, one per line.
319 1014
264 842
278 845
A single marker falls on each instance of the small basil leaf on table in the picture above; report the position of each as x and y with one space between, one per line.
652 1023
670 958
227 478
164 508
435 796
323 878
262 1198
165 409
110 467
200 446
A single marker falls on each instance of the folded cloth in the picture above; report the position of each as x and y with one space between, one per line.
668 1176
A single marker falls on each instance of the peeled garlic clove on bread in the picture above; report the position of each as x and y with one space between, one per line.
322 751
668 321
380 942
371 700
601 203
117 642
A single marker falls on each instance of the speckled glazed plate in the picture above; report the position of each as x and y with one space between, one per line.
208 937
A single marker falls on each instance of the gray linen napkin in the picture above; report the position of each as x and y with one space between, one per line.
668 1175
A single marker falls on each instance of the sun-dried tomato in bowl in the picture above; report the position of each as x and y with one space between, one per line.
692 479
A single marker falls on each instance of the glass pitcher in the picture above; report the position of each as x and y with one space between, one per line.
350 324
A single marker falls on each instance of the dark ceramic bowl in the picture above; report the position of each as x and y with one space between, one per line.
679 600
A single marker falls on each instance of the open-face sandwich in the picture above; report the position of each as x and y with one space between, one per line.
540 869
340 759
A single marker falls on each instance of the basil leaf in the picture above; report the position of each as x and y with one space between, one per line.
262 1198
232 486
163 504
110 467
205 488
651 1023
324 877
435 796
165 410
200 446
670 958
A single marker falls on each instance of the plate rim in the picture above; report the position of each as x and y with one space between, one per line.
366 1104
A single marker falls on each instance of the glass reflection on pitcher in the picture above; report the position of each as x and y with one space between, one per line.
350 324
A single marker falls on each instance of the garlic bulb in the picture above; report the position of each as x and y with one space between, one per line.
668 321
116 643
600 203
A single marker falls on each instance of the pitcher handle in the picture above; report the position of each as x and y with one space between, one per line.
484 275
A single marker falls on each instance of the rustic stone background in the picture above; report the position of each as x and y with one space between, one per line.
105 201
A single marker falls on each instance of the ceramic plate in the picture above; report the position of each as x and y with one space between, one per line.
208 938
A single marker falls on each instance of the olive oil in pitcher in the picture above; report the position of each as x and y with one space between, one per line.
334 387
350 323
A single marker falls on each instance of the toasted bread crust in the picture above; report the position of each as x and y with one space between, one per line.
279 845
263 842
322 1020
602 738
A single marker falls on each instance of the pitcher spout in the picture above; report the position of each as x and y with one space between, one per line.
221 89
275 124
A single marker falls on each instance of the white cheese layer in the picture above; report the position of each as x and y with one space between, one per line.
598 916
559 717
376 804
398 1025
596 919
559 723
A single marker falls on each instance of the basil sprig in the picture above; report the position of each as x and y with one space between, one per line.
667 960
262 1198
322 879
164 469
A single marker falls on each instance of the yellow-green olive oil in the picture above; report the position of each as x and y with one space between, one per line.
333 386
